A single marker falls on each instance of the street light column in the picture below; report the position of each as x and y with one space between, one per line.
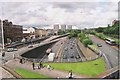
2 35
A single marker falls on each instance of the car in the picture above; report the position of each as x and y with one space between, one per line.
99 45
71 56
10 49
30 46
15 49
64 56
71 47
77 56
61 42
66 49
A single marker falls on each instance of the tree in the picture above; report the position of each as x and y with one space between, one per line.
87 42
100 29
61 32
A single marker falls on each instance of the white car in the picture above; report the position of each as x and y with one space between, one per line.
30 46
15 49
10 49
66 49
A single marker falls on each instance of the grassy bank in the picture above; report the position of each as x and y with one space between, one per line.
91 68
29 74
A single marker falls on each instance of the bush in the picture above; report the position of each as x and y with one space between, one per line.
93 33
87 42
102 36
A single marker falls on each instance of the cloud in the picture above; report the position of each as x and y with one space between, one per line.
81 14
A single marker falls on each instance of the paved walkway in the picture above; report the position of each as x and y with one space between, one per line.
52 74
5 74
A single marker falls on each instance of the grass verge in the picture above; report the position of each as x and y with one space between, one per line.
94 48
91 68
29 74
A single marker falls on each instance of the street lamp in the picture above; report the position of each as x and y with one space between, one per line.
2 35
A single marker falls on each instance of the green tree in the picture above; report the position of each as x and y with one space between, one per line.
87 42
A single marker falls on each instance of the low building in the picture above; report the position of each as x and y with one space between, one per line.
32 30
26 33
12 32
50 32
40 32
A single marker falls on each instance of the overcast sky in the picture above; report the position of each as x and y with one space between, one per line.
79 14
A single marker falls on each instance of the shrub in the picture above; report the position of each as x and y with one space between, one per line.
87 42
93 33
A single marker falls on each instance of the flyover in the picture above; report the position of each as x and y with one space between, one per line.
24 49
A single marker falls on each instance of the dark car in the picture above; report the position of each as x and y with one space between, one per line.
71 47
65 57
77 56
71 56
99 45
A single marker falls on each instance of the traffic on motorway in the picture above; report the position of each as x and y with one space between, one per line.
71 52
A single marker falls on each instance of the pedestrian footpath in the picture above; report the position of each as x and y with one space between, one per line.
5 74
44 71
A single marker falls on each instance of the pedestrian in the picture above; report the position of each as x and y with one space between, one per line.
13 56
70 74
3 54
33 65
40 65
21 60
48 67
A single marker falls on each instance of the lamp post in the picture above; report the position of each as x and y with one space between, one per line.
2 35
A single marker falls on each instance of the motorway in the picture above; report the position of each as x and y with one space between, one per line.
71 53
111 53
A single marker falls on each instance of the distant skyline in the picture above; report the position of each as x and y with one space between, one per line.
79 14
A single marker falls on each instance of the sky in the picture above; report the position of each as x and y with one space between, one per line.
78 14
